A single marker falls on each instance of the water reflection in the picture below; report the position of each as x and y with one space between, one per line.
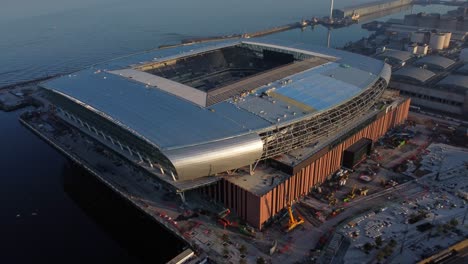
144 240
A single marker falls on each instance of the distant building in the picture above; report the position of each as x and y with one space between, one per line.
369 8
435 63
436 21
464 55
422 35
395 57
413 75
422 49
437 41
426 89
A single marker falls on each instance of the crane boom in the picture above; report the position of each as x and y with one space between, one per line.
293 223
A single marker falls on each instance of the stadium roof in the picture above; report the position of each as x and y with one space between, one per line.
435 61
396 54
455 81
414 73
171 122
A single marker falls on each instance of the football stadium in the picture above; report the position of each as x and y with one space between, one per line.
252 124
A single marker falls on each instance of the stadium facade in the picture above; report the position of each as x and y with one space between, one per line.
251 123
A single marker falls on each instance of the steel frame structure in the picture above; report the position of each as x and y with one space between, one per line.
300 134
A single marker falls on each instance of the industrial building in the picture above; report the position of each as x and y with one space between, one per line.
369 8
427 56
413 75
435 63
433 81
395 57
437 21
252 124
433 91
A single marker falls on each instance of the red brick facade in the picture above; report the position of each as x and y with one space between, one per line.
256 210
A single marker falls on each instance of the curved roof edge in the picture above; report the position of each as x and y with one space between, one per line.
435 60
396 54
414 73
215 157
386 72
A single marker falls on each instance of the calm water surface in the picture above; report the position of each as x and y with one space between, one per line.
52 212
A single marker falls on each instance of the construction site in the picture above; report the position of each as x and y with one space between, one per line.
424 221
260 155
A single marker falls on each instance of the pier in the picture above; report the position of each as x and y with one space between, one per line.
369 8
260 33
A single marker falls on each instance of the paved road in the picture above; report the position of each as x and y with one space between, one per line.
306 238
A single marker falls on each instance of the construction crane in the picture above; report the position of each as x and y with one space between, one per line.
293 223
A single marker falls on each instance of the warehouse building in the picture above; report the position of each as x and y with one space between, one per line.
414 75
395 57
435 63
369 8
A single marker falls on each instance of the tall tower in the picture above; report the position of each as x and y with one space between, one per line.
331 11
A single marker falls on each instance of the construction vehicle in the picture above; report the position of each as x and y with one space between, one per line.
244 229
331 199
363 191
383 182
319 215
293 222
388 184
352 193
342 180
224 213
223 221
247 230
355 16
335 212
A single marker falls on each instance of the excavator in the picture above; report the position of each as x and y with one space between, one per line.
293 222
331 199
363 191
350 195
247 230
222 219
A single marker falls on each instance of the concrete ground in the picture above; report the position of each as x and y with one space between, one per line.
224 245
439 197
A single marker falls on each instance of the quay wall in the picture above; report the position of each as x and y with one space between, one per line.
107 183
369 8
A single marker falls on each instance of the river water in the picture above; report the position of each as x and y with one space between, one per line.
51 211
